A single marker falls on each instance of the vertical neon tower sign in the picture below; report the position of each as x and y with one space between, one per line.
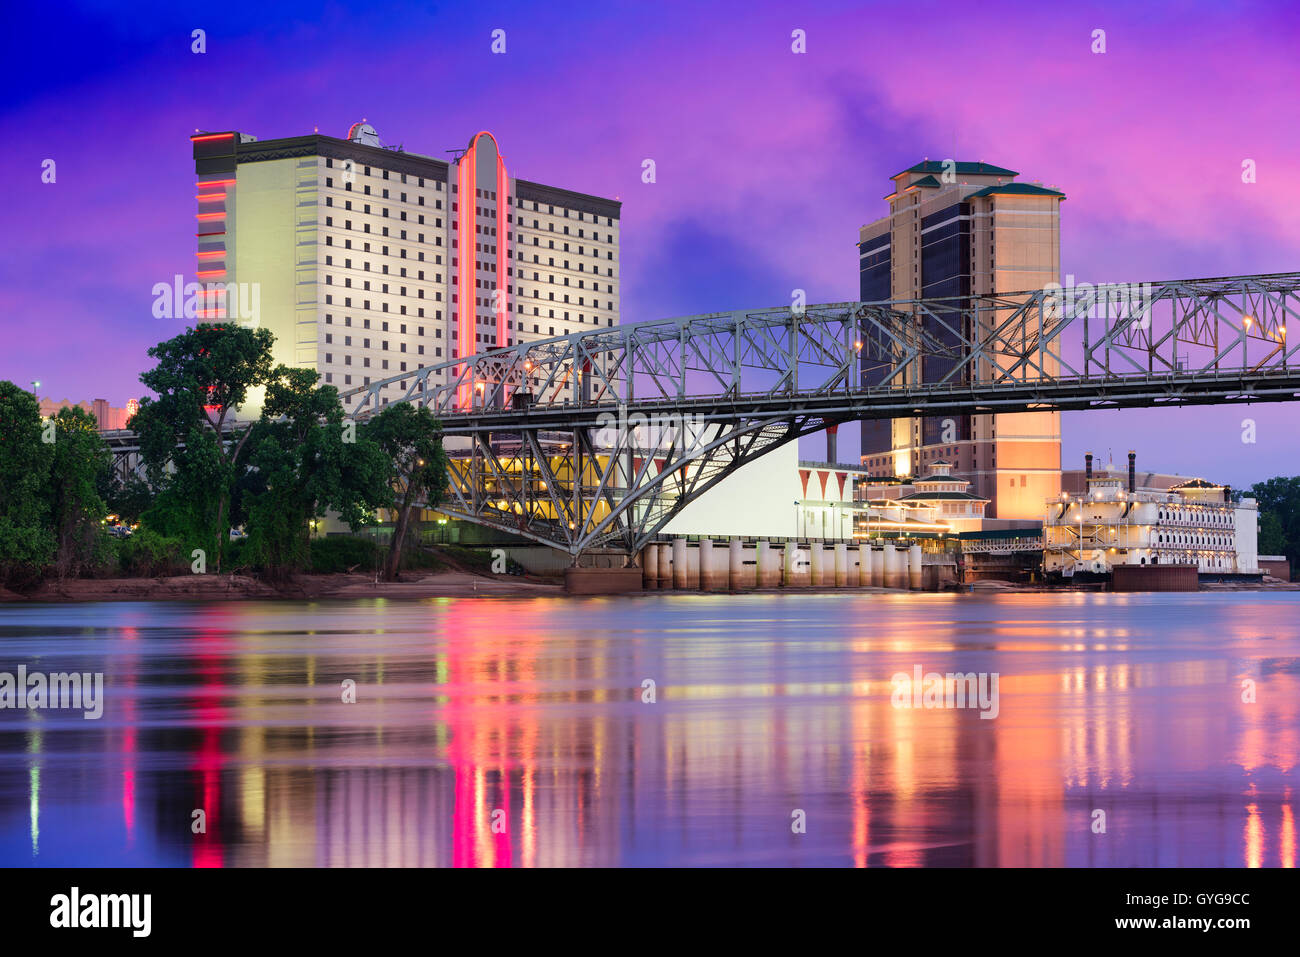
214 198
467 253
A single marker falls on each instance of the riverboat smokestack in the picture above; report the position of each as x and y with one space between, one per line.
1087 465
1132 470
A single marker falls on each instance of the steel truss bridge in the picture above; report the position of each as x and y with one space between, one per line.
598 439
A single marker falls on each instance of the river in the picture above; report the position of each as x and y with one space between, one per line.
759 729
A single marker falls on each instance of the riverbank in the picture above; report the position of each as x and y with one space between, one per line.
441 584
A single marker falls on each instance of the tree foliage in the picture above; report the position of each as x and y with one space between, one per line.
201 377
80 462
1279 517
51 511
297 466
26 538
411 438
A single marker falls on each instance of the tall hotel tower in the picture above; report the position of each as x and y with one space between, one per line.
371 261
974 230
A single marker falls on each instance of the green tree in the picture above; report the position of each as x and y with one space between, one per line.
411 438
202 376
127 498
26 539
1272 537
80 461
300 466
1279 517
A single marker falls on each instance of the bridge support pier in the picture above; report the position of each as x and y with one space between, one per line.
914 568
681 570
736 564
768 565
650 566
841 565
817 558
710 577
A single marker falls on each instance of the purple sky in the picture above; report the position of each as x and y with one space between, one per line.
767 161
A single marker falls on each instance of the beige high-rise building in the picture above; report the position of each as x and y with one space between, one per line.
358 256
958 229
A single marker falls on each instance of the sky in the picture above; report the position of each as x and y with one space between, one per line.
767 161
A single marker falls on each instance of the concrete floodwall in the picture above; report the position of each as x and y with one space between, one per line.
714 564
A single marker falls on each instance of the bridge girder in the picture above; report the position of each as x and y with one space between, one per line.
533 416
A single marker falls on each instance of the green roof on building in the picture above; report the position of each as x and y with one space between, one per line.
1021 189
924 181
962 169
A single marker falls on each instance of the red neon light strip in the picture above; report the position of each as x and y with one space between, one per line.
211 136
203 184
467 312
210 272
503 250
213 254
210 216
209 197
219 232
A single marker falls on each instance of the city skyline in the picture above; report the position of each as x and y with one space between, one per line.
741 212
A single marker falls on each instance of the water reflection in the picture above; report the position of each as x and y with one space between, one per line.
514 733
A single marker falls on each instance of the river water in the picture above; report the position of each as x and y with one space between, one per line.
1150 730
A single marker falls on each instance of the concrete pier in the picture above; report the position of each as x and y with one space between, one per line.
665 566
769 565
650 567
895 575
681 570
736 564
713 571
789 557
736 577
817 564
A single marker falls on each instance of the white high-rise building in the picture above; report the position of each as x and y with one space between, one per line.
352 253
